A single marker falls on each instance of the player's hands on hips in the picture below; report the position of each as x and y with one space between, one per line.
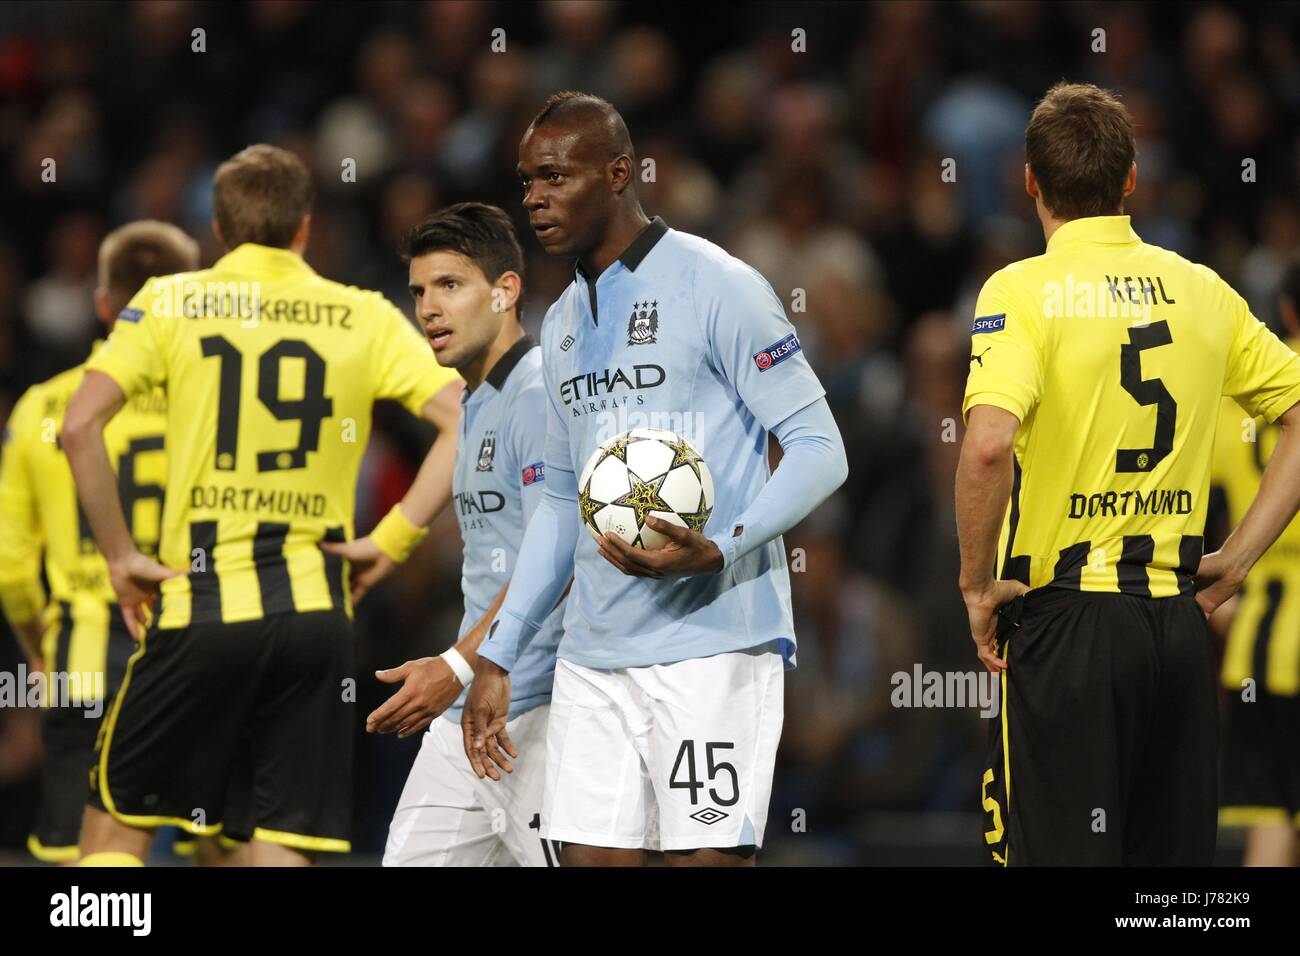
429 686
369 564
1217 579
483 722
687 552
135 581
982 605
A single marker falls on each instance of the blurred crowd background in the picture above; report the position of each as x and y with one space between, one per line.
821 167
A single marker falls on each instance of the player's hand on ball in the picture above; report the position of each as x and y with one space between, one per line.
687 552
483 722
1217 579
429 686
135 581
369 564
982 610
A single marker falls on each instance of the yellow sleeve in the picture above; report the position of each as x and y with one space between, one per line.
405 369
1263 373
1006 361
21 593
134 355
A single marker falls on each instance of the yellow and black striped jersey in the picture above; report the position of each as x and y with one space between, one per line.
40 514
270 372
1114 354
1264 638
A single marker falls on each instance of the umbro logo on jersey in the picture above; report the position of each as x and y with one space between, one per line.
989 323
567 343
643 326
486 452
777 352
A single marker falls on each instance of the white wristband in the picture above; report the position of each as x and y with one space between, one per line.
459 666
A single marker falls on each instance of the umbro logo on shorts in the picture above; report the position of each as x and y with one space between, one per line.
708 816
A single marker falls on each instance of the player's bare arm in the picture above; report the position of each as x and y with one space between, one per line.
135 578
984 478
424 500
1220 574
483 722
429 684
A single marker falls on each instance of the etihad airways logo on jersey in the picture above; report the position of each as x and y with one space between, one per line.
777 352
479 502
591 385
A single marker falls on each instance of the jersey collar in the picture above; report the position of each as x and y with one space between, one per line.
638 248
498 373
1110 230
250 257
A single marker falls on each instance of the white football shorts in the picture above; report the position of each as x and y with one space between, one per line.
448 817
665 757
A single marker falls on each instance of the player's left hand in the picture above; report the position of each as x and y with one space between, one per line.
135 581
1217 579
687 552
982 610
369 564
429 686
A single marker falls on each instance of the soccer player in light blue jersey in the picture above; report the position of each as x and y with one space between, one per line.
667 703
466 276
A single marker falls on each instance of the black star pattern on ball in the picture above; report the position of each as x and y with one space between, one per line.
644 497
696 520
588 509
684 454
618 447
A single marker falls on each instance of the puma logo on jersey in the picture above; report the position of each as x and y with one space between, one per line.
980 358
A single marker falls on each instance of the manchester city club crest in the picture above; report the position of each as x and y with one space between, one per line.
486 451
642 326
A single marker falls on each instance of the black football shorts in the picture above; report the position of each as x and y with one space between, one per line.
1104 752
267 703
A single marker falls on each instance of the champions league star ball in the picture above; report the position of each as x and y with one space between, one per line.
643 472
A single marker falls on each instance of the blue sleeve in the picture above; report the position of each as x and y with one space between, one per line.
813 465
528 433
545 563
752 343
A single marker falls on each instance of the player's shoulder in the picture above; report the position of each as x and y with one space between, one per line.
1197 271
709 259
526 389
1021 274
366 301
45 399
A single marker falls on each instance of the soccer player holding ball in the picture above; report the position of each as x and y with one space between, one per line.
667 703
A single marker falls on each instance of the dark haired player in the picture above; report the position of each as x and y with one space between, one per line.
667 703
1093 414
466 277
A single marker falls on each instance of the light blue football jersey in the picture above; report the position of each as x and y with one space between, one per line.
675 334
498 481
